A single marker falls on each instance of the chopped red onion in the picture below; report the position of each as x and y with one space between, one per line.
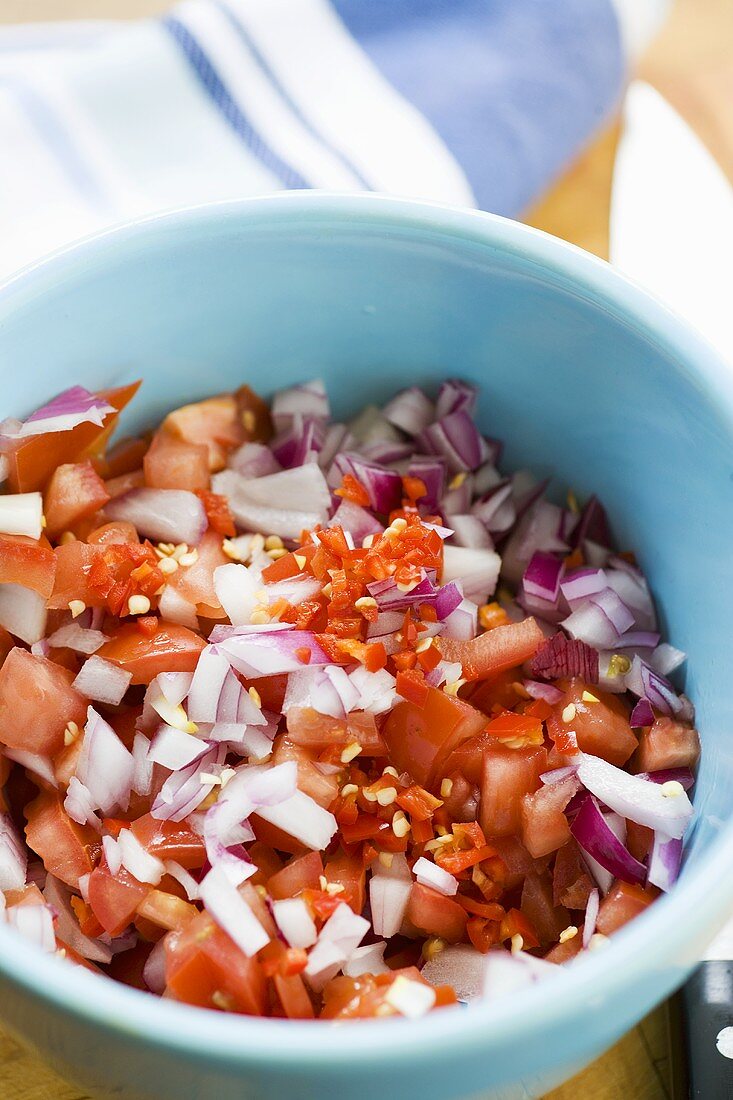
643 681
600 620
282 504
22 612
638 639
430 469
634 797
410 998
631 587
470 532
80 805
579 584
183 791
105 766
21 514
537 530
340 936
112 854
72 407
507 972
666 659
455 395
457 439
537 690
102 681
591 916
184 877
307 399
389 893
273 652
496 508
42 766
35 923
460 966
237 590
593 834
13 856
357 520
302 818
542 576
462 623
642 714
228 908
173 749
366 960
166 515
682 776
76 637
174 686
58 895
216 694
376 689
387 453
383 486
557 775
253 460
458 496
410 410
301 442
337 438
664 861
477 570
142 773
295 922
140 863
429 874
154 969
175 608
294 590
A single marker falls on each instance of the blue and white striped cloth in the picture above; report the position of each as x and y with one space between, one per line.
475 102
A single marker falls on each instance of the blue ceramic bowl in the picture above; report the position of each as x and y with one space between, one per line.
583 375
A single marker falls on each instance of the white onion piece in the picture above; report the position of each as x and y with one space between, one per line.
35 923
327 690
175 608
13 856
184 877
294 590
635 798
165 515
303 819
112 854
477 570
666 659
21 514
57 895
174 686
183 790
76 637
237 589
462 623
154 969
460 966
42 766
366 960
340 936
306 399
389 893
142 772
251 788
411 999
253 460
376 690
470 532
139 862
410 410
102 681
65 411
505 972
591 916
295 922
105 766
80 806
283 504
173 749
429 874
231 912
22 612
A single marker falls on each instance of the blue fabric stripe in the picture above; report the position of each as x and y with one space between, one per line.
514 89
55 137
268 72
231 112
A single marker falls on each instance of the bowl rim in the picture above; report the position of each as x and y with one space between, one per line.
254 1042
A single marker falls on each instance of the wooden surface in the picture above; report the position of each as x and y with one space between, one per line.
692 65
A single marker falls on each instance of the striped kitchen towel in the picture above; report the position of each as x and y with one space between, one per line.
474 102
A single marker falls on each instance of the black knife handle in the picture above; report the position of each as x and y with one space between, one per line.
707 1006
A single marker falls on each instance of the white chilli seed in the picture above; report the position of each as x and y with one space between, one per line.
350 752
386 796
138 605
568 713
672 789
77 608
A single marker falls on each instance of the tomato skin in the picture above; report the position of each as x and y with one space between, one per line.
495 651
74 492
667 744
214 423
28 562
602 728
172 463
114 898
36 703
63 845
170 840
436 914
419 739
75 562
113 534
202 961
300 873
508 775
544 825
312 730
547 919
172 649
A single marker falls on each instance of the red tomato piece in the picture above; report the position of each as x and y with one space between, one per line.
538 906
173 840
77 565
436 914
348 871
322 788
196 582
624 902
172 648
125 456
293 996
508 775
63 845
166 910
113 534
125 483
667 744
601 728
28 562
571 882
74 492
419 739
36 703
639 840
205 968
214 423
544 825
300 873
495 651
172 463
114 898
319 731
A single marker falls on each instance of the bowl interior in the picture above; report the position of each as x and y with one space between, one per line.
583 377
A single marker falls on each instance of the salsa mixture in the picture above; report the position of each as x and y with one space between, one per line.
302 718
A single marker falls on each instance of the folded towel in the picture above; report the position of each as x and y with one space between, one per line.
475 102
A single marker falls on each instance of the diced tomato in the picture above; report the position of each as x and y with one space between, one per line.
421 738
508 775
517 731
571 882
204 967
28 562
125 483
266 860
26 895
366 996
544 825
275 837
312 781
516 923
37 702
271 690
77 565
196 582
496 650
494 695
293 996
166 910
313 730
639 840
462 802
172 463
254 416
127 966
436 914
63 845
468 758
114 898
214 423
347 871
113 534
35 458
125 456
174 840
74 492
547 919
667 743
218 513
601 728
624 902
173 648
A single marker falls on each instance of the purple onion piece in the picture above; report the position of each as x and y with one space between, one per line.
561 657
593 834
